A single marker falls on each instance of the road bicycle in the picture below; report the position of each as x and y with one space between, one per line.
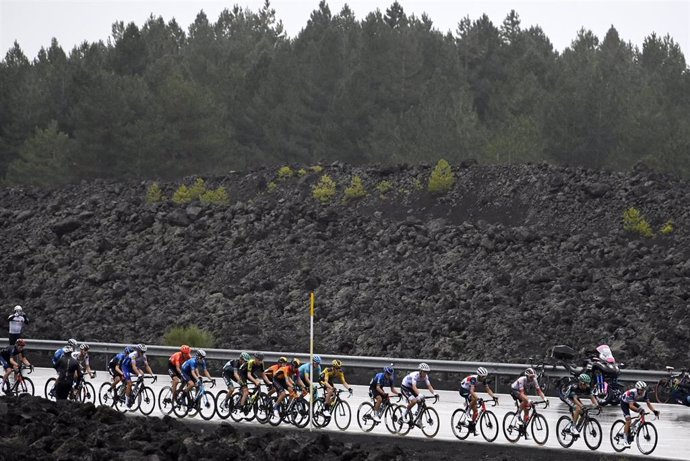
294 409
142 397
197 400
587 426
488 423
256 406
21 385
425 418
643 432
665 387
386 413
340 411
83 391
514 427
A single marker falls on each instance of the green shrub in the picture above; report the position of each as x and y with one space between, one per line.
384 187
301 172
634 222
198 189
325 190
317 169
285 172
356 190
154 194
182 195
272 186
217 196
667 228
192 336
442 178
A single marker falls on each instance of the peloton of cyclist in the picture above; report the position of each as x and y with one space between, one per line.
132 364
571 397
175 367
327 377
629 401
192 368
468 388
283 382
10 358
518 391
409 387
376 392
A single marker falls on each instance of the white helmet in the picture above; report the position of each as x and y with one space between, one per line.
17 308
72 343
424 367
201 353
140 347
481 371
641 385
530 372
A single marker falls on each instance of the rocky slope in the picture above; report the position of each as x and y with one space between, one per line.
513 260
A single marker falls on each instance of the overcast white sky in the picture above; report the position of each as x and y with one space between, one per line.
33 23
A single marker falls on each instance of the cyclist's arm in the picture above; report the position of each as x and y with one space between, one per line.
207 374
431 389
539 391
342 380
473 393
594 400
14 363
489 391
635 407
649 405
577 401
394 391
136 369
255 381
148 368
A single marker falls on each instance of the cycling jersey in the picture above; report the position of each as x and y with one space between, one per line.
252 367
126 364
177 359
381 380
469 382
574 390
192 364
329 374
286 371
523 383
83 361
270 371
633 395
116 360
413 378
58 355
305 370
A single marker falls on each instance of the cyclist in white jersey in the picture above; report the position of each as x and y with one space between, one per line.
409 385
629 401
82 358
468 390
519 388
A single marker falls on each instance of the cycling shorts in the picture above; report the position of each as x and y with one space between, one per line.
113 372
127 374
374 392
187 377
568 400
280 384
409 393
625 406
229 377
465 393
172 371
515 394
4 363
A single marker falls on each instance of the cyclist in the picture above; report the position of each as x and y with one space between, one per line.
680 390
192 369
11 357
327 377
68 349
518 391
174 367
376 392
468 392
132 364
270 371
571 397
249 370
409 386
283 382
305 371
231 373
629 401
69 373
115 367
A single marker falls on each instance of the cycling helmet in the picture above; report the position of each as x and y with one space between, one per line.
68 349
258 356
201 353
17 308
129 350
73 343
296 362
140 347
20 342
282 360
245 356
530 372
337 363
388 370
481 371
185 349
641 385
316 359
84 347
584 378
424 367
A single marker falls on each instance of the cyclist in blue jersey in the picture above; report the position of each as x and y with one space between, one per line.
114 367
305 371
192 369
133 364
629 401
376 392
468 388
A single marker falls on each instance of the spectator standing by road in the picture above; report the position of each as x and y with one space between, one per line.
17 321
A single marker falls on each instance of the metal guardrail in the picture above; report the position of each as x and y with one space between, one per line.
448 366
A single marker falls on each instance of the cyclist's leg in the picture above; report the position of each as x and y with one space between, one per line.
625 407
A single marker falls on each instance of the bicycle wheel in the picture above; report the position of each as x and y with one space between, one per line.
662 391
300 413
459 422
207 406
618 435
320 420
563 434
223 404
365 417
25 387
262 408
646 438
181 404
430 422
511 426
488 425
540 429
106 397
593 434
165 403
342 413
389 417
236 413
120 399
87 393
402 420
49 390
147 400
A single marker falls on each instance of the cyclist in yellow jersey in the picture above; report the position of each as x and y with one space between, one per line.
327 377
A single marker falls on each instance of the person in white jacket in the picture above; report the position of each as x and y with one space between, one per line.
17 320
